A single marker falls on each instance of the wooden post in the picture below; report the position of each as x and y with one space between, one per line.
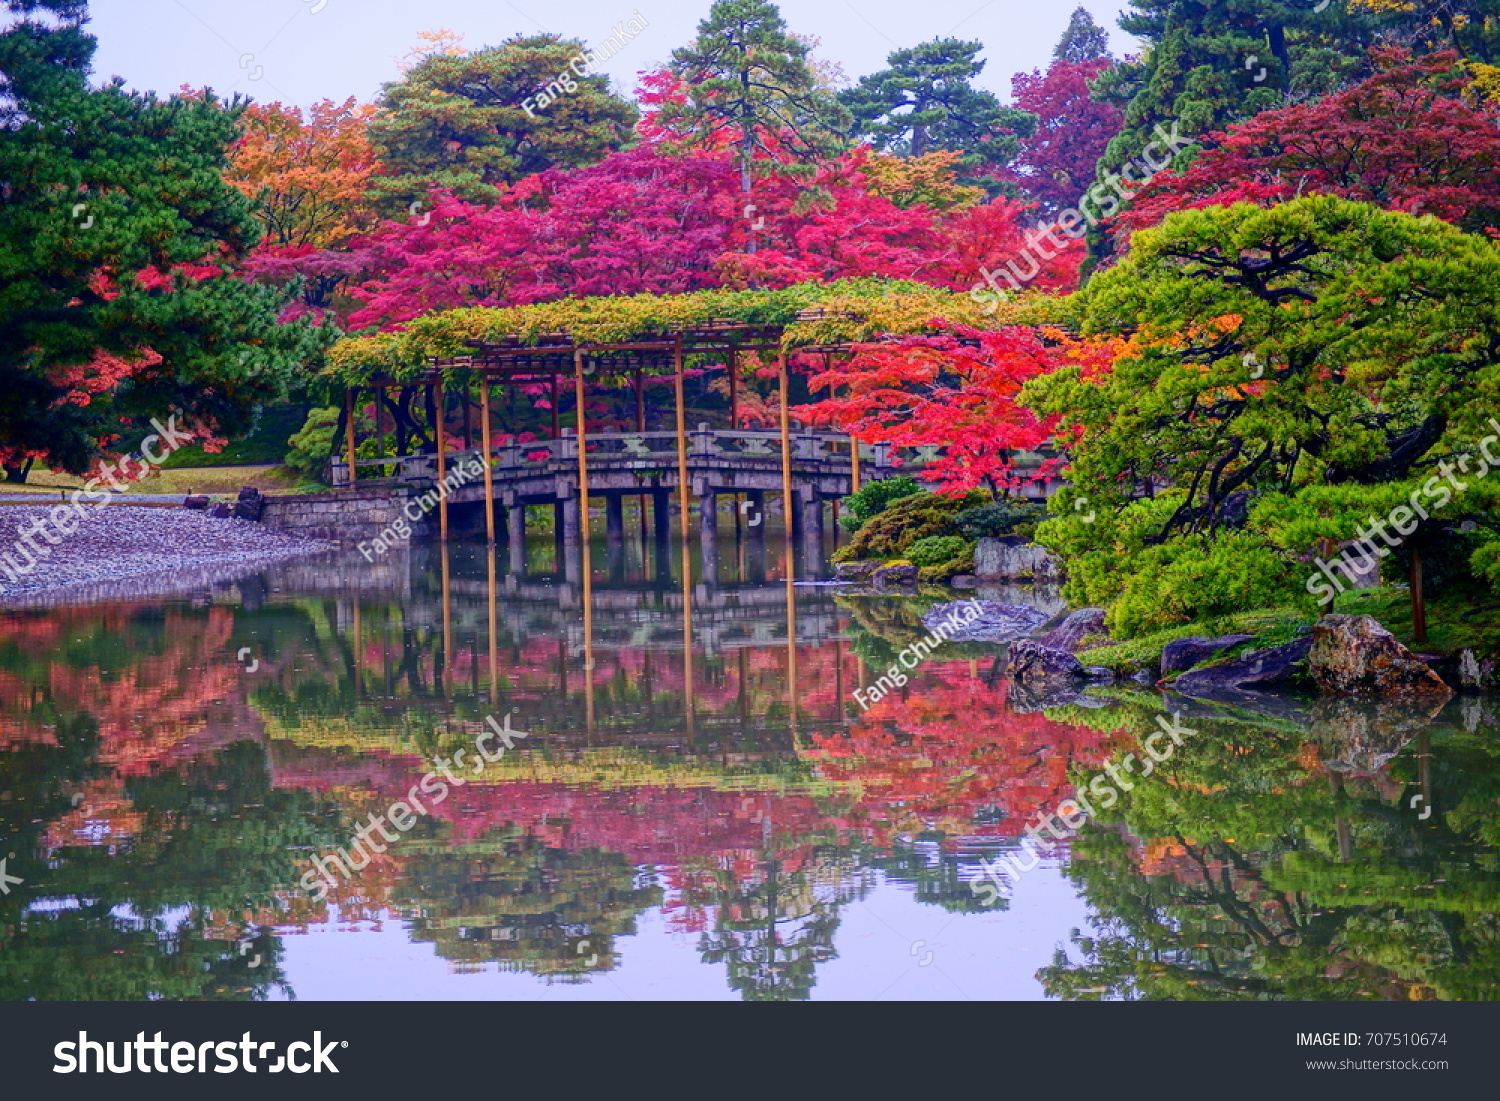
587 569
734 391
442 465
489 456
556 424
788 506
640 402
468 414
349 409
583 451
682 463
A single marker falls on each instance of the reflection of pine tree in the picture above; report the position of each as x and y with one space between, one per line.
773 932
1261 875
146 922
523 905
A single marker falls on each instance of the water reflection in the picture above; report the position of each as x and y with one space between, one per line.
168 767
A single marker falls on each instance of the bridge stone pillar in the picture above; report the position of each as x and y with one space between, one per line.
811 535
755 516
614 519
515 533
708 533
661 518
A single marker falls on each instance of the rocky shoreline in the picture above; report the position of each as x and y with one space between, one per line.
1341 656
120 542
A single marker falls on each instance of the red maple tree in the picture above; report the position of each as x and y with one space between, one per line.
1404 139
956 389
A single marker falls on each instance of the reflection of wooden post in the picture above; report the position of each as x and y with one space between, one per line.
494 627
682 465
442 466
349 413
489 475
447 619
355 649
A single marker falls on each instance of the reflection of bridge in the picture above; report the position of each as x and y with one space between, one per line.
744 465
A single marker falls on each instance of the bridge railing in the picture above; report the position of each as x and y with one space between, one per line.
808 447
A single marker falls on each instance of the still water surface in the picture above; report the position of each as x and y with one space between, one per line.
698 810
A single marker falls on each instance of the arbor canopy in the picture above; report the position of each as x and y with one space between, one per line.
808 315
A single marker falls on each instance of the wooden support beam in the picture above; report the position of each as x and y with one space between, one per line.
441 440
788 505
349 410
734 391
682 462
489 454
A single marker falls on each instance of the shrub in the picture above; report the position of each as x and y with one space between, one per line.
874 499
311 446
1012 516
890 533
936 549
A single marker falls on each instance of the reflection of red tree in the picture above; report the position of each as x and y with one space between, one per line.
957 754
158 711
647 824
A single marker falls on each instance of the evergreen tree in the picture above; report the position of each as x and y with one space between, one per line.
1213 62
1084 40
117 303
471 123
925 103
750 86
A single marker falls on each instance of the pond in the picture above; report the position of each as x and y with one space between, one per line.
693 805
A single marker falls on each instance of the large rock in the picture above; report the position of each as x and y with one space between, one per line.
1355 654
1031 662
1277 665
984 620
1182 654
1074 629
855 571
1011 560
1360 735
1475 675
250 504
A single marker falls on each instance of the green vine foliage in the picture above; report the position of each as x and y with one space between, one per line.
845 311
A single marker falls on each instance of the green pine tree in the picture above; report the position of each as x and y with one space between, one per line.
1084 40
924 102
472 123
749 80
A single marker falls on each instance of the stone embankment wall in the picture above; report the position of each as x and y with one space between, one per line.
342 517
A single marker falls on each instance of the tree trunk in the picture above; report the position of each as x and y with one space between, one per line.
1418 599
17 475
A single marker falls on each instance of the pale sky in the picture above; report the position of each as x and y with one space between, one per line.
300 51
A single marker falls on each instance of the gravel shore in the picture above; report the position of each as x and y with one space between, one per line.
121 541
